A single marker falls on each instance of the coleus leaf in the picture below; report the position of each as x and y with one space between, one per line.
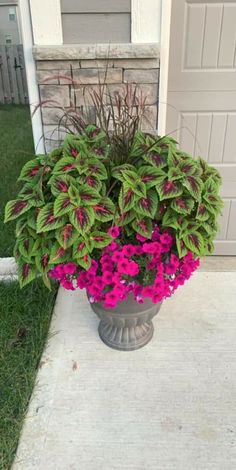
33 193
170 219
151 176
183 205
66 235
117 171
147 206
210 227
100 239
88 196
16 208
26 273
174 174
188 167
131 177
82 218
127 198
46 219
124 218
156 159
62 205
202 212
59 184
64 165
104 210
181 247
95 168
79 248
42 262
71 146
169 189
20 227
194 242
30 170
143 226
25 247
209 246
194 186
172 158
58 254
91 181
84 262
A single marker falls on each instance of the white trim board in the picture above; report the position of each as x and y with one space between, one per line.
145 21
27 39
164 61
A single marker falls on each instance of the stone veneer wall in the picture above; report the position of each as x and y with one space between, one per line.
127 63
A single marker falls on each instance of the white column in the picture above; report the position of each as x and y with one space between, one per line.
145 20
164 65
27 39
46 22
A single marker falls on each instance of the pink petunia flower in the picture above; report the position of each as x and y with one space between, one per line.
114 231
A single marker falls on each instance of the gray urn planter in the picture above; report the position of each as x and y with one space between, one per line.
127 327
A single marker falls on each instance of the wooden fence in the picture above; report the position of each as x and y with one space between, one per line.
13 83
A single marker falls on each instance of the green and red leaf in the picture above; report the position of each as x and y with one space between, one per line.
183 205
30 170
158 160
79 248
169 189
82 218
62 205
194 242
143 226
59 184
117 172
95 168
26 273
124 218
147 206
46 219
58 254
194 186
66 235
181 247
84 262
202 212
64 165
151 176
105 210
88 196
127 198
16 208
100 239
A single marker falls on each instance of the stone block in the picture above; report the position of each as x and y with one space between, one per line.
53 64
149 120
56 95
141 76
48 76
147 91
137 63
94 76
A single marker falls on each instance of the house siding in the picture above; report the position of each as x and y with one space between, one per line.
92 21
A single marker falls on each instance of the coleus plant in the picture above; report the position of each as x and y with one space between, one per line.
72 197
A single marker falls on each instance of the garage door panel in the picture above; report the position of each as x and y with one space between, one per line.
223 221
206 38
201 109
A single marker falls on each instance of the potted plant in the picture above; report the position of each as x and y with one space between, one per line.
124 214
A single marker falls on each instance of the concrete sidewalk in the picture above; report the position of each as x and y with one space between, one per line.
168 406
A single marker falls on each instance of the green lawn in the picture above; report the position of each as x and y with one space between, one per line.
24 314
24 321
16 147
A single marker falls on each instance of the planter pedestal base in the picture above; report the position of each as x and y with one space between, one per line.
127 338
128 326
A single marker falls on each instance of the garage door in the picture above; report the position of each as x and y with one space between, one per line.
201 110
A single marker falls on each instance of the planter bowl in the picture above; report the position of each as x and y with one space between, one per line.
127 327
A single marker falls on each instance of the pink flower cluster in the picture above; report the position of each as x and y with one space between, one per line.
124 269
